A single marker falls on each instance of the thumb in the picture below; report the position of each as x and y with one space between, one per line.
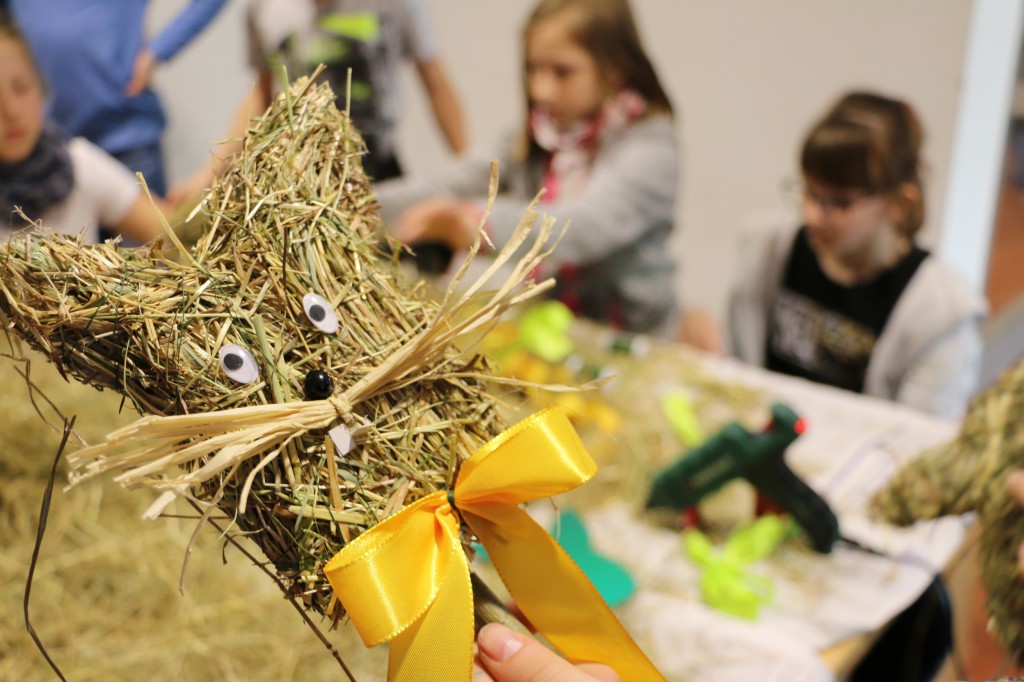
511 657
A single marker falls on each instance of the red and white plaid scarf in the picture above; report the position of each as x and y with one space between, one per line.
572 149
571 156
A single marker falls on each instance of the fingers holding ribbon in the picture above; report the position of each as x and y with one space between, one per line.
406 580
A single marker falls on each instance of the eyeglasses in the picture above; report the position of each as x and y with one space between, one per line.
799 195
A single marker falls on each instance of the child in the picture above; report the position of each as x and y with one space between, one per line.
600 140
369 38
97 63
847 298
68 185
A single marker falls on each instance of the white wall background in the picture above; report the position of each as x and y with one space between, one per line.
747 77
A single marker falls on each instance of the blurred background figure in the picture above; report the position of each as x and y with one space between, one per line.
848 298
600 140
98 64
370 38
68 184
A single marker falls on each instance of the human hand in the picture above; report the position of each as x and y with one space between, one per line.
505 656
442 219
699 330
142 71
191 189
1015 486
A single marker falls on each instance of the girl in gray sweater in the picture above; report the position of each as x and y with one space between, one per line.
600 141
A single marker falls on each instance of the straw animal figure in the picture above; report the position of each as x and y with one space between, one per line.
969 474
284 323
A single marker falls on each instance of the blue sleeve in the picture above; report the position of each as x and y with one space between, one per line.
186 26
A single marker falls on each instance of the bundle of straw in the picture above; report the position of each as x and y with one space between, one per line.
294 216
969 474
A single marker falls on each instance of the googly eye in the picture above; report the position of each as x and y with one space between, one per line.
239 364
320 313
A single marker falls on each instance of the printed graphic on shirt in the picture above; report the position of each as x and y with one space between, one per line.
819 344
343 42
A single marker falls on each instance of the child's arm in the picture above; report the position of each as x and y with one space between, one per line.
443 101
112 195
253 104
944 375
697 328
175 36
464 179
142 224
420 43
631 190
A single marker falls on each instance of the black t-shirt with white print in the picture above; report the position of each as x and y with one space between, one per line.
826 332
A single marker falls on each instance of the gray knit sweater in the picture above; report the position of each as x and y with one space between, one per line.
619 225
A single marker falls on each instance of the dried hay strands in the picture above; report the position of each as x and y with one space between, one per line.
293 216
969 474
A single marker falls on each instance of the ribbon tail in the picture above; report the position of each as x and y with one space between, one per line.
555 595
439 645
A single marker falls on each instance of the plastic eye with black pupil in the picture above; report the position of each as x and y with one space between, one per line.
318 385
239 364
320 313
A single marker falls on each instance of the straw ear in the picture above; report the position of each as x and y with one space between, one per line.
269 213
76 303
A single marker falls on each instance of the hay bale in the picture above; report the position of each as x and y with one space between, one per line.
105 599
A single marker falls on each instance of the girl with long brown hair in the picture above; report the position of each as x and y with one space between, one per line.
600 140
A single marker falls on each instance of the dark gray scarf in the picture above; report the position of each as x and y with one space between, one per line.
42 180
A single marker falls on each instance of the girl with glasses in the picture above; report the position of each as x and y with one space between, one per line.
847 298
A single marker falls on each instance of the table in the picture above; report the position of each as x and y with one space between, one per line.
827 608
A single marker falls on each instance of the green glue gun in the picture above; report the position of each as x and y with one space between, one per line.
757 457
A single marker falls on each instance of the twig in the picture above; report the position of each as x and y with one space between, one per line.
44 513
298 607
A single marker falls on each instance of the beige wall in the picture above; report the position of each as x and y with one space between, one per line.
747 77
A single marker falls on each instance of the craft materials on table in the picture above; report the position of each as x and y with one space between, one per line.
757 457
666 399
852 444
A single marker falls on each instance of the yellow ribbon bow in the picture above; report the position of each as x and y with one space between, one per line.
406 580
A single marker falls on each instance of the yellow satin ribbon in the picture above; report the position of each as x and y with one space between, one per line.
406 580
